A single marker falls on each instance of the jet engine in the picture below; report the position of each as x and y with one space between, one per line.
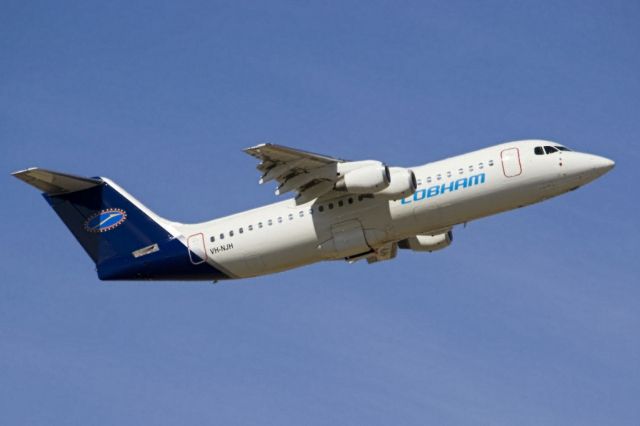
403 184
427 242
368 179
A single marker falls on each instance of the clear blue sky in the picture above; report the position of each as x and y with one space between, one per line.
529 318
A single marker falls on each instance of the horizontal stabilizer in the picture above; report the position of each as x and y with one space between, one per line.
53 183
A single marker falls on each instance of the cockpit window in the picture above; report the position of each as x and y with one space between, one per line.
549 149
562 148
538 150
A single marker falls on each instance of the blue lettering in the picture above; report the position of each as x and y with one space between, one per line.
450 188
476 179
461 183
419 195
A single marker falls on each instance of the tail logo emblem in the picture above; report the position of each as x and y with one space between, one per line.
105 220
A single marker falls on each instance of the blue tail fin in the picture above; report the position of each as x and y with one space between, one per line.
125 239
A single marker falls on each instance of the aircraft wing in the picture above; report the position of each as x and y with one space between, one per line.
310 175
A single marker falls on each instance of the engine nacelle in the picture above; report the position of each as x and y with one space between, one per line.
427 242
403 184
368 179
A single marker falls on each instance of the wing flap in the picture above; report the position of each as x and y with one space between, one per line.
314 191
295 170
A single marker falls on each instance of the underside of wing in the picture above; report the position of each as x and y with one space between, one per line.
310 175
319 176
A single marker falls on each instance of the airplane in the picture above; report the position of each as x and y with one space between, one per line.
342 210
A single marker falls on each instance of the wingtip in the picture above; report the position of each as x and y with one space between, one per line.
257 147
23 171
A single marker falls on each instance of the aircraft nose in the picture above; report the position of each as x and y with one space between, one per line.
594 165
605 164
602 164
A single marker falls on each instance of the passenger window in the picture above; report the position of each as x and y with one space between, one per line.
419 182
429 179
490 163
538 150
481 166
259 224
470 168
448 174
241 230
290 216
301 213
340 203
250 227
360 197
460 171
550 149
269 222
231 233
438 176
330 206
320 208
222 236
350 200
212 239
311 211
279 219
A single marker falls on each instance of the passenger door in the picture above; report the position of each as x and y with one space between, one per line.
511 165
197 250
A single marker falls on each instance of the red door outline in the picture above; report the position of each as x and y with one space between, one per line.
197 249
507 159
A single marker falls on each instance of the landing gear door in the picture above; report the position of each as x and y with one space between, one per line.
511 165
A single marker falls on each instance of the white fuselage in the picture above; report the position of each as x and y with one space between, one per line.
460 189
